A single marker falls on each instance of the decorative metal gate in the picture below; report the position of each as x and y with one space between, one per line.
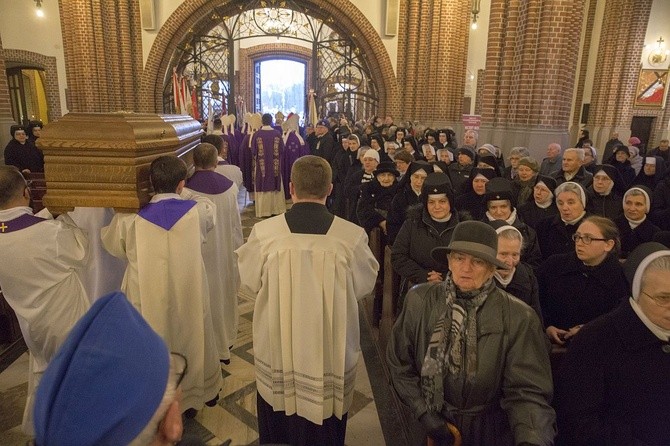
340 75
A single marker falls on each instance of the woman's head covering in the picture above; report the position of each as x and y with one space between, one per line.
638 261
467 152
549 182
646 193
371 153
575 188
500 189
386 167
437 183
471 237
530 163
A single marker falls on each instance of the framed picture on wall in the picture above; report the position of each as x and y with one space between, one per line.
651 88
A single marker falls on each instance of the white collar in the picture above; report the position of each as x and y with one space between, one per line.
160 197
12 213
659 332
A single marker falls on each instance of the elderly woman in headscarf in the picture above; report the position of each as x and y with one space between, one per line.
612 388
518 279
634 226
541 205
408 193
578 286
524 181
427 225
465 352
651 173
515 154
555 233
500 205
604 196
621 161
473 201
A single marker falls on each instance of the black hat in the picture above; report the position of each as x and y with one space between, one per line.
418 165
610 170
622 148
471 237
437 183
14 128
386 166
466 151
488 160
550 182
500 189
637 263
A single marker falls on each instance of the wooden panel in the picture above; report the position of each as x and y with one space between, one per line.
103 159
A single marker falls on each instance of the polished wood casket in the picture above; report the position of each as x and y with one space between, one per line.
103 159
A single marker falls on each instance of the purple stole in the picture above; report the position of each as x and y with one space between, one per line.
209 182
22 222
166 213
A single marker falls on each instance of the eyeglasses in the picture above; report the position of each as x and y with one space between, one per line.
180 366
586 239
661 301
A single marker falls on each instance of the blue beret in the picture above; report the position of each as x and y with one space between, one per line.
106 381
324 122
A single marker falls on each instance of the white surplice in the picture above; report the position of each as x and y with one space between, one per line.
166 281
221 266
305 328
38 277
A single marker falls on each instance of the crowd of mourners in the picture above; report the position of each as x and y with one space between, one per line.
571 252
565 226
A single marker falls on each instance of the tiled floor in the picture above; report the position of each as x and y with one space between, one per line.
234 417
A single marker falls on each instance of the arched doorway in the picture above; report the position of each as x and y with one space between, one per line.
279 86
208 54
365 72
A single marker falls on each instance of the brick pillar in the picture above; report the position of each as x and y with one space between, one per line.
615 80
532 56
6 118
102 43
432 60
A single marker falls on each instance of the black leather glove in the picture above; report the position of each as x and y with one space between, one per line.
437 429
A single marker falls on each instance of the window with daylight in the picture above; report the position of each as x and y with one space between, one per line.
282 87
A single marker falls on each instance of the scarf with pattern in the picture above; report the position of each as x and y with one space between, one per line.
454 334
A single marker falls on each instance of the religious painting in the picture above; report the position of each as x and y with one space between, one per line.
651 87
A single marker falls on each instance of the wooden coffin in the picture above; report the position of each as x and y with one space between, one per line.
102 159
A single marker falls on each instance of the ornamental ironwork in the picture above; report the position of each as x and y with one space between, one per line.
206 56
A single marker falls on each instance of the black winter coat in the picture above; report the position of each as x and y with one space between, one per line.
410 255
473 204
404 198
24 156
531 214
612 388
555 237
524 287
660 204
374 204
572 293
630 238
609 206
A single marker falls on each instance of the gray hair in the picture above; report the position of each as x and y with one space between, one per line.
579 152
521 151
573 187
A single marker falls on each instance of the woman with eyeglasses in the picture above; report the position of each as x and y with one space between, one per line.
612 388
578 286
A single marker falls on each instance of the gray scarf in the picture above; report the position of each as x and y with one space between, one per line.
454 333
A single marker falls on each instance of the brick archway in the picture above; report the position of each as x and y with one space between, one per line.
29 59
190 12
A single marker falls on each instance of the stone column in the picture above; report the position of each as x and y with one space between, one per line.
102 43
432 60
532 56
6 118
618 66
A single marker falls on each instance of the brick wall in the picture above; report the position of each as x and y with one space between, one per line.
432 60
192 12
531 62
102 43
46 63
584 62
615 82
481 75
5 107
